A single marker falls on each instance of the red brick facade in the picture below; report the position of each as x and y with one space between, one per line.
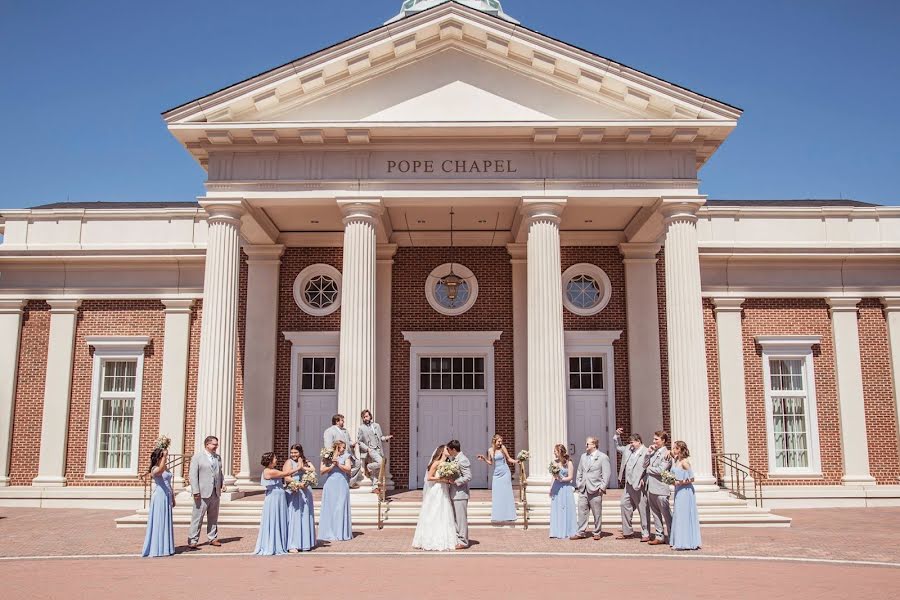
712 374
663 340
190 403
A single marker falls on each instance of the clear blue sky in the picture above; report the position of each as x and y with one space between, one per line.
84 83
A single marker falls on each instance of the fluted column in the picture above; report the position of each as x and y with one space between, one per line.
10 333
688 389
218 332
892 316
176 350
547 417
357 369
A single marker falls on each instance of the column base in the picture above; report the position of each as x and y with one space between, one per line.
49 481
247 480
857 480
4 481
538 491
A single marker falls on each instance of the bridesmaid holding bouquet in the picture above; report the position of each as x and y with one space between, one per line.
334 514
160 538
301 516
503 503
273 527
563 519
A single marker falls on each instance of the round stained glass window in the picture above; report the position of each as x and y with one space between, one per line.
443 294
321 291
586 289
317 290
583 291
451 289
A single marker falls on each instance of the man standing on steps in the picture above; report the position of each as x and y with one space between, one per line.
591 483
371 442
207 481
459 493
631 471
337 432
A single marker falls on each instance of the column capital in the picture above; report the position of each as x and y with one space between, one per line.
727 305
263 253
357 210
891 304
64 306
843 304
385 252
224 211
681 208
177 305
639 251
543 208
12 307
518 253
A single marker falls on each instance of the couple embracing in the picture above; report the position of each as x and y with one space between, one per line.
443 521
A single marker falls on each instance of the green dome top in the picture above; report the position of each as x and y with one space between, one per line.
492 7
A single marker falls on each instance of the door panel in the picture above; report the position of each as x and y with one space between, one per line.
315 412
587 417
446 417
435 428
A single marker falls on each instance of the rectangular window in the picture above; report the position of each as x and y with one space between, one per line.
586 373
318 373
451 373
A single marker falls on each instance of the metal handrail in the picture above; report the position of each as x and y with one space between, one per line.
732 475
523 497
175 460
382 489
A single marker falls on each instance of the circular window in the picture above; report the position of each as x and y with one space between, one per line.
451 289
586 289
317 290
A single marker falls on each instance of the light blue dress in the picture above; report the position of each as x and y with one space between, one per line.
334 512
503 504
301 517
160 538
685 534
563 519
273 526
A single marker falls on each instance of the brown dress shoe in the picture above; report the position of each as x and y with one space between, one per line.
624 536
215 543
655 542
645 539
598 537
461 546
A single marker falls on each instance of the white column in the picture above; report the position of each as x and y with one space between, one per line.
10 333
892 316
218 332
848 372
384 278
547 417
732 389
260 351
357 368
519 262
176 348
644 362
688 390
57 393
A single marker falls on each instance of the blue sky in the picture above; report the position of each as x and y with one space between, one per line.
84 84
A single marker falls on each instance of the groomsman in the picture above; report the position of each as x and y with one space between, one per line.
371 442
631 471
207 481
656 461
591 483
337 432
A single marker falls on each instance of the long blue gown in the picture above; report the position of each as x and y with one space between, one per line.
301 517
503 504
160 538
563 518
685 534
334 512
273 526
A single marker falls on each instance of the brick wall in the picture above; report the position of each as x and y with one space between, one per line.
239 367
663 340
190 403
29 409
492 312
712 373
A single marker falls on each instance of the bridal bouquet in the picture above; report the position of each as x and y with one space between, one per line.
667 477
326 454
448 470
293 486
554 469
523 456
309 479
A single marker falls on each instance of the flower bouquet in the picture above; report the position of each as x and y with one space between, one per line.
523 456
667 477
309 479
448 470
293 486
162 442
327 454
554 469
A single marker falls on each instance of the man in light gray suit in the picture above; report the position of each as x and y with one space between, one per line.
207 481
459 493
591 482
656 461
337 432
371 443
631 471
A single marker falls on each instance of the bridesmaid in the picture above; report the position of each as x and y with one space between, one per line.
301 516
563 520
160 538
273 527
334 513
685 519
503 503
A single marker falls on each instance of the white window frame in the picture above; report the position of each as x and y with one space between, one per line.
439 273
108 349
598 275
792 347
305 276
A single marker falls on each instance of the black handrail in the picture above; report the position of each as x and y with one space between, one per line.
732 475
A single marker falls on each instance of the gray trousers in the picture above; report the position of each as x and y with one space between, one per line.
594 502
374 466
210 508
631 499
461 510
662 515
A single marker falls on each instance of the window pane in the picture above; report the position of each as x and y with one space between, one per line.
329 365
479 382
307 381
329 382
573 364
307 365
457 365
424 382
469 381
468 364
574 382
597 364
457 381
479 365
436 382
424 365
598 381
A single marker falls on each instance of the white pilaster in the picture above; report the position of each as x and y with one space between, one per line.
260 350
688 389
848 372
546 346
732 389
644 362
892 316
384 278
518 259
218 332
57 393
10 333
357 373
176 347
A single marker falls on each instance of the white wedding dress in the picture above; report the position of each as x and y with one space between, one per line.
436 529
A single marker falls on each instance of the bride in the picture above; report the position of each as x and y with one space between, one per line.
436 529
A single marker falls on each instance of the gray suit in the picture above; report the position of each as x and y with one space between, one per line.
335 433
459 493
594 471
657 491
370 440
207 479
632 472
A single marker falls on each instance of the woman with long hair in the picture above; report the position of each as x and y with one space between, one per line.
685 534
436 528
503 503
301 517
563 518
335 524
273 526
160 537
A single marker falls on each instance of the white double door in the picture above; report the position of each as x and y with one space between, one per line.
314 402
459 416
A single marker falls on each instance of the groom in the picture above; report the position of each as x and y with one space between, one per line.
459 493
